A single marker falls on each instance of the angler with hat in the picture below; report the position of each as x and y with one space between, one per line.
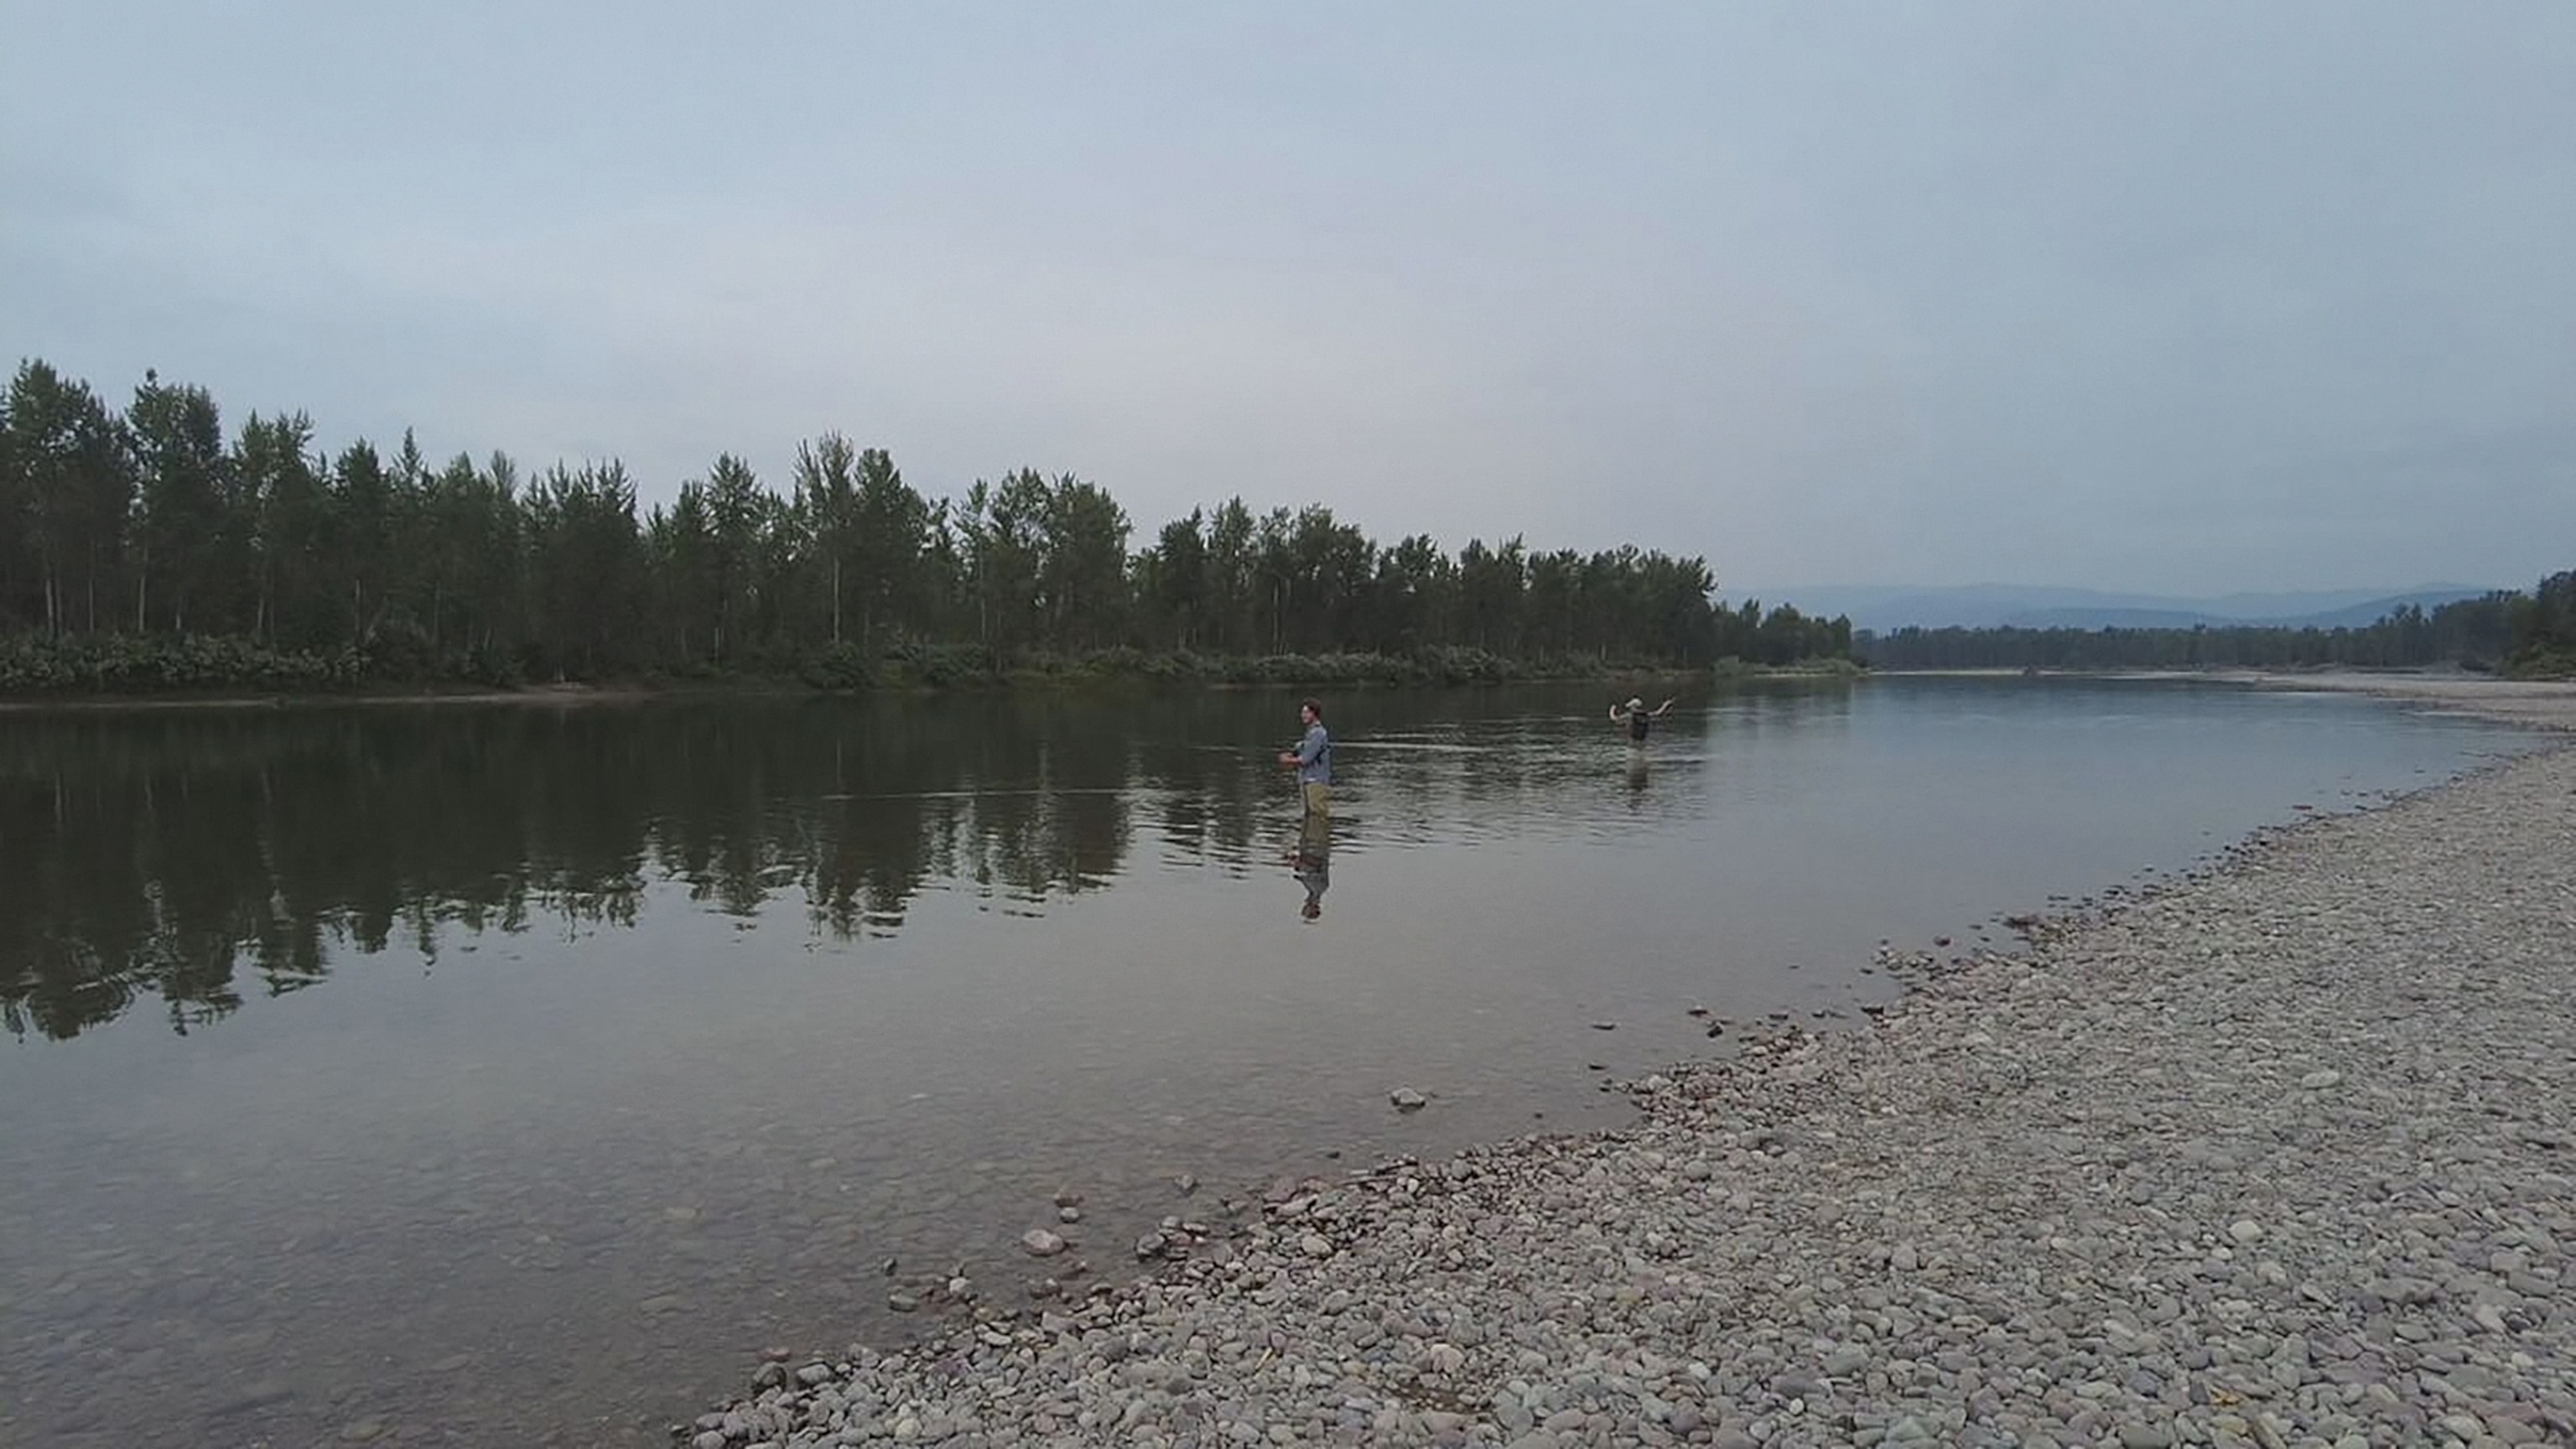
1638 719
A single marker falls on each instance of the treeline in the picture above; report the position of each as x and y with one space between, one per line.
148 548
2531 633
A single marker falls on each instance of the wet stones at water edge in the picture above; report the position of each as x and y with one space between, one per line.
1175 1239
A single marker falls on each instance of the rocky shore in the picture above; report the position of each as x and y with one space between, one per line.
2283 1154
2542 703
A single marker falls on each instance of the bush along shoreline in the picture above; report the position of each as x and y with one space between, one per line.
121 667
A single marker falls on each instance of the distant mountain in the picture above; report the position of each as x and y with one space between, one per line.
2081 618
2377 609
1985 606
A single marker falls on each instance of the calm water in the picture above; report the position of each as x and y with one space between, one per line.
514 1075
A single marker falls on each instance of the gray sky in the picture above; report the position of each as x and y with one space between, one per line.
2171 297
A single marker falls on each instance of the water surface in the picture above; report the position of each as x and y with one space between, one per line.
515 1074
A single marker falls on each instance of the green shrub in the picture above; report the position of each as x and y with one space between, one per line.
837 666
2543 664
936 665
128 664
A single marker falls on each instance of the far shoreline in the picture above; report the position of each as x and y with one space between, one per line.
2493 697
575 694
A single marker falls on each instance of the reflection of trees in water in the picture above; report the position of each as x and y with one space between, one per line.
1065 827
203 857
200 857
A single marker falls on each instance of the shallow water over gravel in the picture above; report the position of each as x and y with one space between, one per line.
488 1075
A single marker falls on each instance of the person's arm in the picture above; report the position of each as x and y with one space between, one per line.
1614 714
1308 748
1659 709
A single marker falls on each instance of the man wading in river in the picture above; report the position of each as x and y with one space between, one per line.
1638 719
1313 759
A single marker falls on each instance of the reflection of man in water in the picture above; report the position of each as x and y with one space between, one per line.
1313 758
1314 861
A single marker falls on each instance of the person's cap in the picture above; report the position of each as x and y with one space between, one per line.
1636 704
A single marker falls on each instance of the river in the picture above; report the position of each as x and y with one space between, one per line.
516 1074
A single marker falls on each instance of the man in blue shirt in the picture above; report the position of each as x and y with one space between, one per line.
1313 759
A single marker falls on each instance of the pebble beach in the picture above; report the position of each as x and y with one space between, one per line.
2282 1153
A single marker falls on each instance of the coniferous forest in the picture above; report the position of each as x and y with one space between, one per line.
152 547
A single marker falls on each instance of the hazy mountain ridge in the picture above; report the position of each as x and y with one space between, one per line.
1985 606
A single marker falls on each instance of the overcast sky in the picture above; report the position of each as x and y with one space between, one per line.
2162 297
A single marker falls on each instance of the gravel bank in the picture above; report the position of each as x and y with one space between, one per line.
2546 703
2284 1155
